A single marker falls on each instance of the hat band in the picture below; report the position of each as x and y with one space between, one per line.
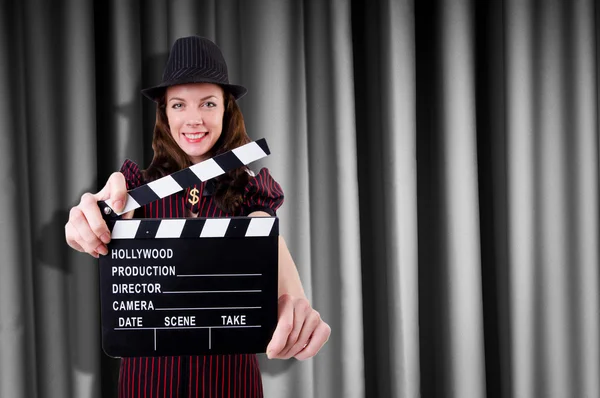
197 73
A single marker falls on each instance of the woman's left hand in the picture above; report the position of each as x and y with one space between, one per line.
300 331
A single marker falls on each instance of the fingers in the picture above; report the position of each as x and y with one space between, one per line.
73 237
302 314
300 331
285 324
317 341
91 226
86 230
303 339
115 191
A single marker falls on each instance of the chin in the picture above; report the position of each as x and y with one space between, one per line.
194 157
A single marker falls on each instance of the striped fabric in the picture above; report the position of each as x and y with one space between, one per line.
191 376
197 376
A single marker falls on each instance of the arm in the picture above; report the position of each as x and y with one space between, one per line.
289 279
300 331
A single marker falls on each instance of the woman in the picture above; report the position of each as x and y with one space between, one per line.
197 117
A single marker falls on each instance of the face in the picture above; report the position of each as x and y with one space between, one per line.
195 115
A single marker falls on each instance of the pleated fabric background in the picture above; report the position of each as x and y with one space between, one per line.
440 164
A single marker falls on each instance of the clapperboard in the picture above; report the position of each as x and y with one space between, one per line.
189 286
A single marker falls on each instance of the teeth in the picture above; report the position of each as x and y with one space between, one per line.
195 136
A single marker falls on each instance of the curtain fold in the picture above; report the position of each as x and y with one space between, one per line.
335 234
461 265
585 169
398 114
17 362
440 161
384 57
459 233
520 147
78 137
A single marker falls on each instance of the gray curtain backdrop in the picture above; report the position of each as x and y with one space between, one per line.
440 164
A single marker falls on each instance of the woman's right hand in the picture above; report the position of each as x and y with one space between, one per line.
86 230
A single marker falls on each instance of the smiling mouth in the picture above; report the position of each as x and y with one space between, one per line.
195 136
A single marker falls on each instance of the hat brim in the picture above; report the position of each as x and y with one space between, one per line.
154 93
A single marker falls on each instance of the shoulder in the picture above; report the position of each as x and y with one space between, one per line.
132 173
262 193
263 179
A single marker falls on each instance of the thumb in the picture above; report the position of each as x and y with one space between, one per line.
127 215
114 192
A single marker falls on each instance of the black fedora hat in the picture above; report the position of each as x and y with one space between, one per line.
194 59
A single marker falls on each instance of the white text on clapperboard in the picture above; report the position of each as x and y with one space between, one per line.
149 288
143 288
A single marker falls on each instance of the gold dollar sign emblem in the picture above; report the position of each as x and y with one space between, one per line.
193 199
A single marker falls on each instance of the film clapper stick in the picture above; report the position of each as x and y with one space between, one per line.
189 286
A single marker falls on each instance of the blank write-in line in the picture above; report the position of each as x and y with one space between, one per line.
193 327
214 291
199 275
207 308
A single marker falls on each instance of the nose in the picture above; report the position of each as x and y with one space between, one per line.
194 121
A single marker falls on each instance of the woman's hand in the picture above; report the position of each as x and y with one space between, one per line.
300 331
86 230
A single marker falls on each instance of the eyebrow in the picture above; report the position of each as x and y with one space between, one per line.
201 99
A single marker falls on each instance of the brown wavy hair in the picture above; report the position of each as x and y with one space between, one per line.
169 157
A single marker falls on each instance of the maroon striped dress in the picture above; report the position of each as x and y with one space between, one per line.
205 375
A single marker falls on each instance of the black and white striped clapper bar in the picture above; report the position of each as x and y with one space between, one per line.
195 174
189 286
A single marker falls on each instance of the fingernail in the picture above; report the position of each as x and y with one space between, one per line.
102 250
269 354
105 238
118 205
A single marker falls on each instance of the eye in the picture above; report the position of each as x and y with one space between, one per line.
210 104
177 105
